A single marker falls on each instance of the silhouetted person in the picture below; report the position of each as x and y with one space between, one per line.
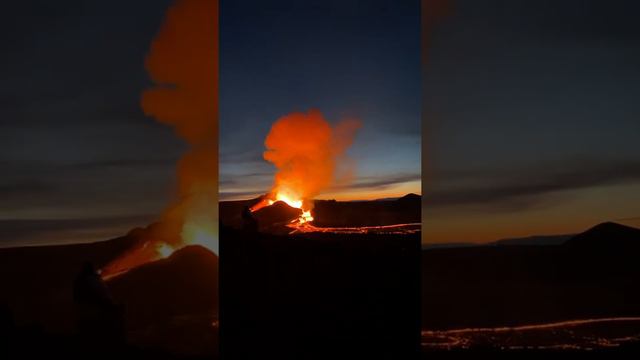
100 322
249 222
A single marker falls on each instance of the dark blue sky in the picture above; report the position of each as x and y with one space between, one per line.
532 118
79 159
346 58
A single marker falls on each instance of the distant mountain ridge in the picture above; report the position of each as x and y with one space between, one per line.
535 240
624 235
594 274
523 241
607 234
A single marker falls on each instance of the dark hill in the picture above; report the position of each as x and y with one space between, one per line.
411 197
230 212
607 236
534 240
171 303
331 213
273 218
594 274
184 283
35 280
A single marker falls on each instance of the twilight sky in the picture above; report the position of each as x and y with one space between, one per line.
348 58
531 119
79 159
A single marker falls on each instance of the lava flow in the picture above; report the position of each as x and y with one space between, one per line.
582 334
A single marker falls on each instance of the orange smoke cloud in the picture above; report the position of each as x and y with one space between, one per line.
306 150
183 64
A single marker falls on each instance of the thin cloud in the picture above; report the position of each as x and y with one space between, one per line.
19 232
235 195
636 218
101 164
529 189
379 183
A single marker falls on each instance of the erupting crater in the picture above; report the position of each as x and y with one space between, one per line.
153 243
296 203
284 215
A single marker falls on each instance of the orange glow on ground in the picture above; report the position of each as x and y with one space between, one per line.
563 335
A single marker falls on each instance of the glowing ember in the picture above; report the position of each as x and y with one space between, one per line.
288 200
306 217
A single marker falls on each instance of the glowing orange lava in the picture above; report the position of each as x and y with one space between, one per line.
291 200
306 216
297 203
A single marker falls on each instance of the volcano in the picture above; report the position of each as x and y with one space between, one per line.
276 217
170 305
401 215
343 282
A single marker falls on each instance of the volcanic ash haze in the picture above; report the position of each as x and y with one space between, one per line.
306 150
183 64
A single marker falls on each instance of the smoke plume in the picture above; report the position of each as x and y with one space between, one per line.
183 63
306 150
